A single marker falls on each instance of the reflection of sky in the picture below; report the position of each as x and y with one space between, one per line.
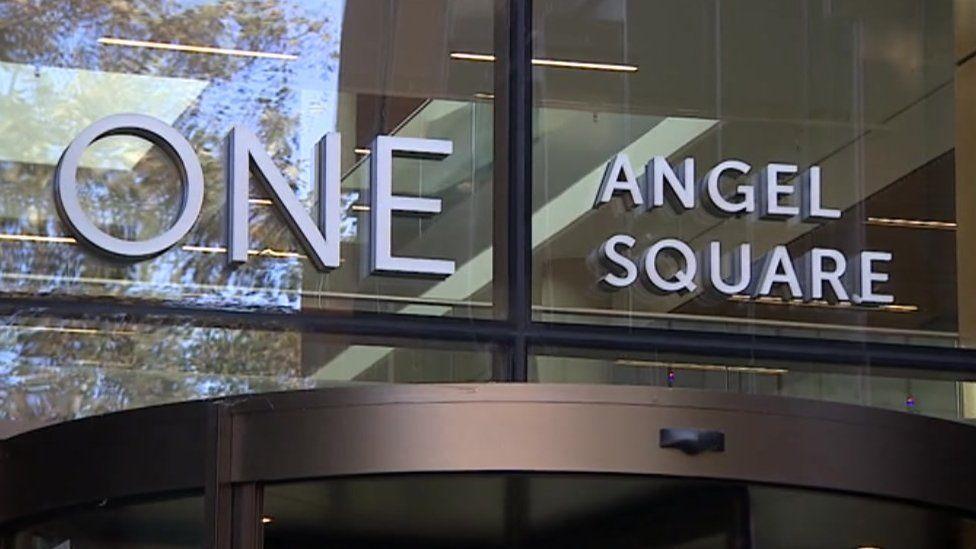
303 94
44 108
290 105
310 83
303 90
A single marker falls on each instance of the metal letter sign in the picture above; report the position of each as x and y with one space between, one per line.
245 155
383 203
158 133
773 196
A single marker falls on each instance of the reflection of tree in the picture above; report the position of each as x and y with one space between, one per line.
57 377
261 93
59 370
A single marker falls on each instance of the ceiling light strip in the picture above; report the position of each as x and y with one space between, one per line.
703 367
38 238
109 41
426 301
823 304
69 330
266 202
43 239
912 223
556 63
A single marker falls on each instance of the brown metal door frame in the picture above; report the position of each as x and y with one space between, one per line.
231 446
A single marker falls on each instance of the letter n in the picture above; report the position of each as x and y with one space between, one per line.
245 155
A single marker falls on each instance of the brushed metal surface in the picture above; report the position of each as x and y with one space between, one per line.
493 427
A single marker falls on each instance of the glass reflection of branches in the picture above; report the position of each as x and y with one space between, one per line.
57 78
71 78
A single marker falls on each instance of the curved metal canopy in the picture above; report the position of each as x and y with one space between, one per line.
475 428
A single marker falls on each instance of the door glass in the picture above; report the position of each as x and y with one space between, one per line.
165 524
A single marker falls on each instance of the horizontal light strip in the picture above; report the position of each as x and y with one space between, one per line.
557 63
266 202
824 304
614 316
429 301
704 367
194 49
912 223
266 252
69 330
361 151
473 56
38 238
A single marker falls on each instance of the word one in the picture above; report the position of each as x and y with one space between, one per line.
244 156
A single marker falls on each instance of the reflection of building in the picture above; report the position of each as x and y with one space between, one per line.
747 422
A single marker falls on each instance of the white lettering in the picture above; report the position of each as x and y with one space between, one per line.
682 190
866 277
616 261
714 190
619 177
383 203
770 192
777 269
740 266
812 203
683 279
246 154
815 274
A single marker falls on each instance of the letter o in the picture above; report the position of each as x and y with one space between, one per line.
157 132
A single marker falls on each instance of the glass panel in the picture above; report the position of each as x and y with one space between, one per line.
939 394
855 99
966 166
288 70
54 369
608 512
809 520
169 524
488 511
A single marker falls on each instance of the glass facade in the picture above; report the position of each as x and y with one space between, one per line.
290 72
853 119
59 369
861 90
